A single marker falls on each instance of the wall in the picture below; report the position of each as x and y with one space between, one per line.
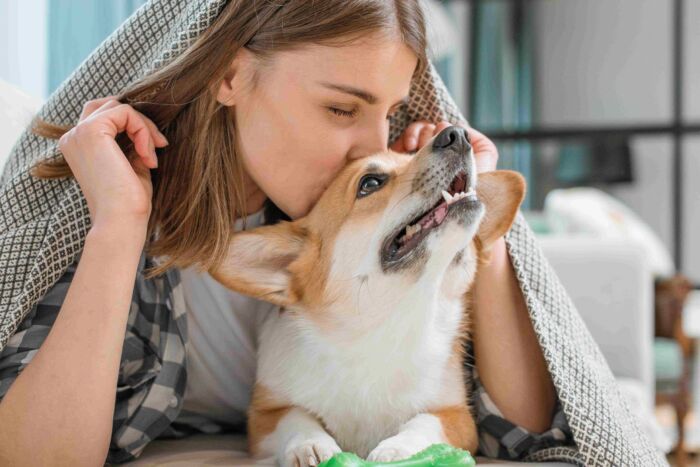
610 63
23 48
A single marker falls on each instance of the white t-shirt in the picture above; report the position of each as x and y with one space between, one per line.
222 344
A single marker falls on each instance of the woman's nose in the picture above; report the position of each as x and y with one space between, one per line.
371 142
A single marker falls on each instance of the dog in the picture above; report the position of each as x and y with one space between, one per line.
365 351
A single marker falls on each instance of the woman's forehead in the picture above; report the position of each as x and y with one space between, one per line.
326 60
382 71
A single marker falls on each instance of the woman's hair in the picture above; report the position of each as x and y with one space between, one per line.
198 185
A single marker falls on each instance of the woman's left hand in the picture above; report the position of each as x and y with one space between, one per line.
417 134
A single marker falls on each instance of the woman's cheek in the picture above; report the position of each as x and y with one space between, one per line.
325 162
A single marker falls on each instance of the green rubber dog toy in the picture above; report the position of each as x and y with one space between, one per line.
436 455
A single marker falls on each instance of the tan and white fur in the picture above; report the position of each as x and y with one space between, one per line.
365 353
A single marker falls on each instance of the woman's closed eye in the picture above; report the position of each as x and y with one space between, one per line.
352 113
343 113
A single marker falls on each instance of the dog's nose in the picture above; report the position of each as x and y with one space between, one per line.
452 137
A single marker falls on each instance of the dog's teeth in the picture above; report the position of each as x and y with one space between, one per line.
447 196
411 230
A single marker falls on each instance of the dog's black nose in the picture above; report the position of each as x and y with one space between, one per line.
452 137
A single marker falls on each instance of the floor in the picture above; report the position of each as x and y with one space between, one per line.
667 418
671 460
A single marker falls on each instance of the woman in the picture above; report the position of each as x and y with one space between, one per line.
256 114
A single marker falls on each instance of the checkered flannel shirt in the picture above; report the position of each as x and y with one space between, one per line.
152 376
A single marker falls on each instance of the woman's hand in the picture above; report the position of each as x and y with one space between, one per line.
417 134
116 190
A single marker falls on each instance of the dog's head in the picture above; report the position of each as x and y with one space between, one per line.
389 225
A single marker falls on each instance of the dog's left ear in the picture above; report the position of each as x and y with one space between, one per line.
257 262
502 192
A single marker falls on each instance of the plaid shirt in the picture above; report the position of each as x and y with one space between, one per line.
152 375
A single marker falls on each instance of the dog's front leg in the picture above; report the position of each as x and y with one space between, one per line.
452 425
297 440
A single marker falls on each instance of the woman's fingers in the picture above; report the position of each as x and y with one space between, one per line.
485 151
398 145
122 117
92 105
159 138
125 118
441 126
110 104
97 106
426 133
411 134
416 135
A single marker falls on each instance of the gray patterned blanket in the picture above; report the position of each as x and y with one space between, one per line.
43 224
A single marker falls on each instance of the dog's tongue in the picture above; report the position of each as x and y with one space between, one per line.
431 219
434 217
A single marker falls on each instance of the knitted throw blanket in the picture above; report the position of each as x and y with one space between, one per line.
43 224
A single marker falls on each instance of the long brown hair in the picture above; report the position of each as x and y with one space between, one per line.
197 187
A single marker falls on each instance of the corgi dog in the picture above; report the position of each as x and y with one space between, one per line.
365 351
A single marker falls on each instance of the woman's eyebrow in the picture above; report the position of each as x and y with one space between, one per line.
362 94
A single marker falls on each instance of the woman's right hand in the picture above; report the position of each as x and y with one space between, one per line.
117 191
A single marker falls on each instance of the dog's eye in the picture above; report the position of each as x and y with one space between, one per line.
369 184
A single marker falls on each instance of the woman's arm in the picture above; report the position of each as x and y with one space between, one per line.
506 351
59 410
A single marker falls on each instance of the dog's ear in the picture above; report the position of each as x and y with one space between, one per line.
501 191
257 262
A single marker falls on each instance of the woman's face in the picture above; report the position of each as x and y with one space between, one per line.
312 112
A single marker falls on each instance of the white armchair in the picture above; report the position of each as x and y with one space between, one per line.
611 282
612 286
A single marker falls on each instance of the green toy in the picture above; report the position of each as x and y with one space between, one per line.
436 455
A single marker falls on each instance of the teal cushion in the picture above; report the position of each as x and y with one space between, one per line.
668 360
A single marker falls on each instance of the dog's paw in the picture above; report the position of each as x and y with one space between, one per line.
309 451
390 450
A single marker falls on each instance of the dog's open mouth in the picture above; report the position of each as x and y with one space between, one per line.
412 233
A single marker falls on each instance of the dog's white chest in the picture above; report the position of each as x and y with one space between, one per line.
365 391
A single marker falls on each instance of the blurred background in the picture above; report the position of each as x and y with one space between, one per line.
595 103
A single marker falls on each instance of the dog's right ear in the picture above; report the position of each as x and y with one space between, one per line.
257 262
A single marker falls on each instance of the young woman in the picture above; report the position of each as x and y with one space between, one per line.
248 126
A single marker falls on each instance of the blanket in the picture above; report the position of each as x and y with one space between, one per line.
43 224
